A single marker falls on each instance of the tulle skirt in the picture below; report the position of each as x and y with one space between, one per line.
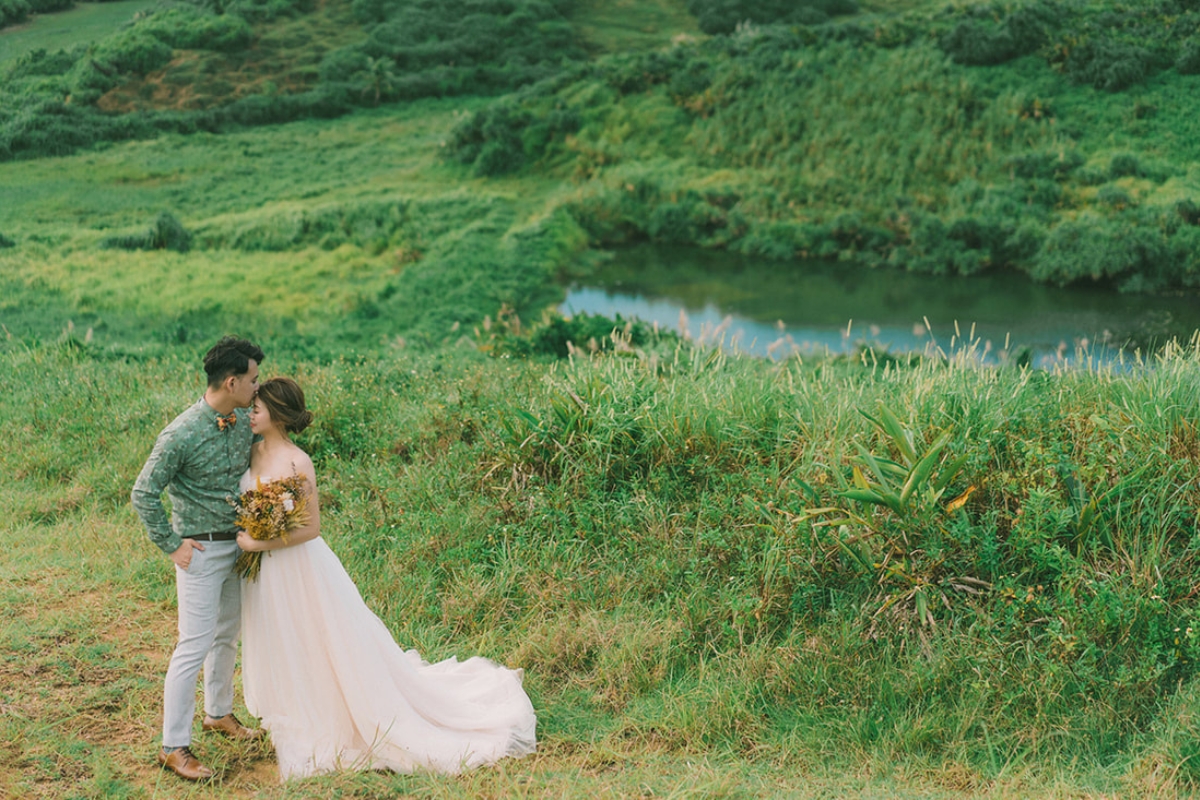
335 691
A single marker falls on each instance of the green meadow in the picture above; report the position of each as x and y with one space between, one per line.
81 25
878 575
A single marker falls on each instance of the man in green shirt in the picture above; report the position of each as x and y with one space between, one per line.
198 460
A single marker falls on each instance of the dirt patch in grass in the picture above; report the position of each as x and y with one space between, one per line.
80 700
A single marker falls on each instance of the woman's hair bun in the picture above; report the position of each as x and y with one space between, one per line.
302 421
284 399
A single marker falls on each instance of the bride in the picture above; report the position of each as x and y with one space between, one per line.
323 673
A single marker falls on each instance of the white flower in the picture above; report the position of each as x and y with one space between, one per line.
288 505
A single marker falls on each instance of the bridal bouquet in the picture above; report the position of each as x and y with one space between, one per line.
269 511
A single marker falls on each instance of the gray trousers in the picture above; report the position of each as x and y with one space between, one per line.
210 618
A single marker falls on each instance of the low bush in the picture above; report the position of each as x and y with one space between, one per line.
165 233
1046 165
445 48
1114 196
52 127
134 50
38 62
558 336
13 12
1125 165
504 137
977 43
1115 251
188 27
1188 62
1109 64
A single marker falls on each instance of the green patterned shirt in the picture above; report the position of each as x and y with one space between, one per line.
199 466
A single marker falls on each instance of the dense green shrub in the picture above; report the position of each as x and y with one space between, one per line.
1100 249
51 127
637 72
777 241
261 109
134 51
977 43
88 79
165 233
1110 64
505 136
1125 165
6 242
980 39
685 219
935 247
1115 196
13 12
1047 165
187 26
1188 211
39 62
435 47
1188 62
555 335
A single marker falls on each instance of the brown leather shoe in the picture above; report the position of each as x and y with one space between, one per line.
229 725
183 763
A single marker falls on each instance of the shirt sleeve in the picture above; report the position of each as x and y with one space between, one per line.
159 470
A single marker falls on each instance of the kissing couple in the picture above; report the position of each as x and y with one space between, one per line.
320 670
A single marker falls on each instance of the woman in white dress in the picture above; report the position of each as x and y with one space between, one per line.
324 674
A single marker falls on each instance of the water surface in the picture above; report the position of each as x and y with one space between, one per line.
773 308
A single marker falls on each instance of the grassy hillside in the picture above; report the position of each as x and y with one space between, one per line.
1047 139
673 547
874 576
342 230
1027 138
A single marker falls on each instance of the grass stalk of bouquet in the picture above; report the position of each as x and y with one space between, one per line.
269 511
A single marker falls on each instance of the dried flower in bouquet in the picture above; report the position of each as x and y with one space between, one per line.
269 511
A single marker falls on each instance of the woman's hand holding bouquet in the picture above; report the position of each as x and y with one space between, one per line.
266 513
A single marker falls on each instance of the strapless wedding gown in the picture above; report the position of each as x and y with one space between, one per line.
335 691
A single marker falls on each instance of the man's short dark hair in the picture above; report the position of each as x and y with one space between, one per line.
230 356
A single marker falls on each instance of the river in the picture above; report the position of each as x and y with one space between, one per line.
775 309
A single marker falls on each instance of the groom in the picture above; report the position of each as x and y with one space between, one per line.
198 460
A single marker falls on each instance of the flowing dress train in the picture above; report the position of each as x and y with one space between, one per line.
329 682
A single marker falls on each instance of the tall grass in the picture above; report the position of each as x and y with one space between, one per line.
642 534
329 248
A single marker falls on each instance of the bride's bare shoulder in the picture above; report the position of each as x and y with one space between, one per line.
301 462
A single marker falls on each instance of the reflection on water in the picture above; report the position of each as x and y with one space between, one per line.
774 309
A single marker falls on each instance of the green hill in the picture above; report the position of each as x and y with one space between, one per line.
1046 138
877 575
